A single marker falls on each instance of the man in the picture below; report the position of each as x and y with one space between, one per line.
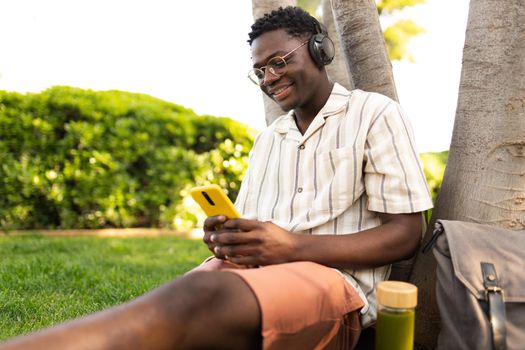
333 194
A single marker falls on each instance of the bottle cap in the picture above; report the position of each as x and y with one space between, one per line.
397 294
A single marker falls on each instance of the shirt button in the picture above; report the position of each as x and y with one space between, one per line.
301 147
300 189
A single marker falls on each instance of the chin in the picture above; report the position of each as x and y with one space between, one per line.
286 105
286 108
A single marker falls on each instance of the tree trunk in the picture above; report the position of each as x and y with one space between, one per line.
259 8
484 181
338 69
362 40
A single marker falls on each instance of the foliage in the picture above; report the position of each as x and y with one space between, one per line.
434 164
311 6
397 35
46 280
389 6
73 158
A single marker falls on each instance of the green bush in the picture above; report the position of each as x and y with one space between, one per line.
73 158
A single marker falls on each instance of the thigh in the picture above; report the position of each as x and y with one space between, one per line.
214 264
304 305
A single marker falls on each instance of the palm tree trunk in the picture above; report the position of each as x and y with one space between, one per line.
362 40
484 181
259 8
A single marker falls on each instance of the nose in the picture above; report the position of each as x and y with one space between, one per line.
269 77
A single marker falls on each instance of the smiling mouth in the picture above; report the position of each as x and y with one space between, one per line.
281 93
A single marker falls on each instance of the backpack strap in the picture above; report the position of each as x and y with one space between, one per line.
494 295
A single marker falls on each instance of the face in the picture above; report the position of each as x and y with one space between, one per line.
299 84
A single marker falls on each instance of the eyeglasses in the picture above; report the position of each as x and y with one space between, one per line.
276 66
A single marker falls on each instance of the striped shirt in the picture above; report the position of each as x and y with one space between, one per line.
356 158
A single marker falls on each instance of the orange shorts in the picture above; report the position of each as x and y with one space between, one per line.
304 305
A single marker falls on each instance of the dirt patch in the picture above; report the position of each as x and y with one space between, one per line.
108 232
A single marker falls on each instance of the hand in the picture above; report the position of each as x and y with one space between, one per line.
212 226
251 242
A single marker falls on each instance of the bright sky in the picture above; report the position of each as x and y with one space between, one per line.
194 53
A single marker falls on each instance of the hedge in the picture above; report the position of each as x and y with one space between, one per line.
74 158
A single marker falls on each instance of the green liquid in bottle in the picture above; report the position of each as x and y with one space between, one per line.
395 329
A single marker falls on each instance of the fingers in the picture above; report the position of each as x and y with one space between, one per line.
228 245
242 224
207 241
228 237
244 260
223 235
211 225
214 222
230 251
214 228
240 255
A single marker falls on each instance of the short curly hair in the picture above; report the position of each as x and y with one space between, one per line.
296 21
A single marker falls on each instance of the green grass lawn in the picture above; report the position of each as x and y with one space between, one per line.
45 280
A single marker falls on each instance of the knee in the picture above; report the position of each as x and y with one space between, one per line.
204 285
218 304
199 293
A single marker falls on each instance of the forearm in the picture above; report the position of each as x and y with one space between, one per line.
252 242
392 241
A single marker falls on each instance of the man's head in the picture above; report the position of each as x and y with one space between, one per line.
289 51
300 24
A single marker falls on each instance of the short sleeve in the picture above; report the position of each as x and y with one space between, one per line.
394 178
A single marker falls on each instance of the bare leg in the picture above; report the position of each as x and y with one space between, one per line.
202 310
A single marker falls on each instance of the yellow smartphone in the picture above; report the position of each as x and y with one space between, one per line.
214 201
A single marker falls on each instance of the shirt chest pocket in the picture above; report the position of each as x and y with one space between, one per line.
340 172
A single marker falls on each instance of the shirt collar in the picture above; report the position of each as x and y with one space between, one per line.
336 103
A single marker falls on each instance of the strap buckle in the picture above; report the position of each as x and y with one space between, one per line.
492 289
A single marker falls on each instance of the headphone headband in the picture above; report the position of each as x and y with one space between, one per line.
318 27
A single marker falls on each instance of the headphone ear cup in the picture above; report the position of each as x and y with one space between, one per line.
321 49
313 48
328 50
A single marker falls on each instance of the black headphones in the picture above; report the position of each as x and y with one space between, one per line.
320 46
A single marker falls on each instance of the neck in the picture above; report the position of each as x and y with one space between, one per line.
304 115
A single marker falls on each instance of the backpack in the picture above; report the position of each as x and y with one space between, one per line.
480 285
